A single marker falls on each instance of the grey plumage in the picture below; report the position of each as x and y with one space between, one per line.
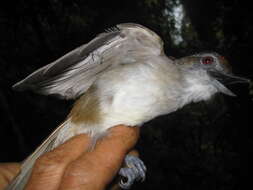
71 75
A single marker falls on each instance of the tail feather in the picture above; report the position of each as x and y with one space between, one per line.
19 182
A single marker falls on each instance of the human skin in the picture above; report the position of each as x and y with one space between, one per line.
7 172
73 166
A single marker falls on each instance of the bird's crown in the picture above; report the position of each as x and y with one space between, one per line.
205 61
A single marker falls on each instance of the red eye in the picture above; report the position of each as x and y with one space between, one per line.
207 60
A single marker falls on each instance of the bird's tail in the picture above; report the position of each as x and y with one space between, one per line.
19 182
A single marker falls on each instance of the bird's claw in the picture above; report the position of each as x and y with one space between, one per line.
135 171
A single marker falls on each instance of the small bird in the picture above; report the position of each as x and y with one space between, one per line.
122 76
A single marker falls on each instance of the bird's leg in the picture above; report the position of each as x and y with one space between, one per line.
135 170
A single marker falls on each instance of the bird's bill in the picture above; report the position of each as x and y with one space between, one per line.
226 78
222 88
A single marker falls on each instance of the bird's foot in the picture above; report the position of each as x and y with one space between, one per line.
135 170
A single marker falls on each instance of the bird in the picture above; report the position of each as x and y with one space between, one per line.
123 76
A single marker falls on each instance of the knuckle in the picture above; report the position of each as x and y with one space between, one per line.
48 161
79 173
75 169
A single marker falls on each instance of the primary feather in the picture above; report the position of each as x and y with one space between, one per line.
71 75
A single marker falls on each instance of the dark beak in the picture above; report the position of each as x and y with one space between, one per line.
226 79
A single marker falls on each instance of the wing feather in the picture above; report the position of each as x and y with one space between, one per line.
71 75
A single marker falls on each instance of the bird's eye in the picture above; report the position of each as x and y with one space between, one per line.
207 60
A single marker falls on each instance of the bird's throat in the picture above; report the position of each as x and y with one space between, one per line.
197 89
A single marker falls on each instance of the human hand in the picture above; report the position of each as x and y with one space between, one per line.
72 166
7 172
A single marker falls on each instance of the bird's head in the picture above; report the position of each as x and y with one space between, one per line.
211 68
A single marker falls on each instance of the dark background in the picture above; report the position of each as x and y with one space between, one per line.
207 145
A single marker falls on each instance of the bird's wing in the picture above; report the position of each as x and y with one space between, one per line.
71 75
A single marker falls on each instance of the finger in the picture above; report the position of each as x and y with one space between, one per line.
134 152
49 168
7 172
96 169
